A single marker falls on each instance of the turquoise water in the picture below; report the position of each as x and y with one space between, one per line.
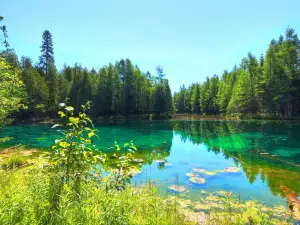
267 153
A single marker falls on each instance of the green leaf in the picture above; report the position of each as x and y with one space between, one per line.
69 108
74 120
118 148
91 134
62 114
64 144
133 147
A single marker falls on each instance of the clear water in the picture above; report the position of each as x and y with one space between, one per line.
268 153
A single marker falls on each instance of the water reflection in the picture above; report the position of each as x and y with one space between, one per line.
267 152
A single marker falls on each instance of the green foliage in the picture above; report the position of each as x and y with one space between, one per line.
195 99
12 92
119 88
163 101
26 198
73 154
36 88
12 162
5 139
75 158
270 85
47 56
121 166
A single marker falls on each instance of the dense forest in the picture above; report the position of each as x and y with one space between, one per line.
267 85
119 88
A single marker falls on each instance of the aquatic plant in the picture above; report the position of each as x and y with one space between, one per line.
192 174
204 171
232 169
200 207
177 188
5 139
197 180
122 166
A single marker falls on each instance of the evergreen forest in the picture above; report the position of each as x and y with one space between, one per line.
266 85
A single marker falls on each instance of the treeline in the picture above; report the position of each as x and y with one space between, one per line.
269 85
119 88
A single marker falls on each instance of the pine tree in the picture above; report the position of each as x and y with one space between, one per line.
36 88
116 92
47 56
195 99
5 36
52 85
169 107
128 88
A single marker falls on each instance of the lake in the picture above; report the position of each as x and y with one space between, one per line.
267 153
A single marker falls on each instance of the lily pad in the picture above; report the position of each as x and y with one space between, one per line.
223 193
199 170
197 180
199 207
191 174
184 203
232 169
177 188
220 171
204 171
213 198
210 173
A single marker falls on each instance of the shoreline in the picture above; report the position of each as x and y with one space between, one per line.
151 117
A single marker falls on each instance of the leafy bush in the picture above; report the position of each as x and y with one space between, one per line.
73 155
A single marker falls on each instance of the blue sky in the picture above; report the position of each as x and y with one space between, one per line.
191 39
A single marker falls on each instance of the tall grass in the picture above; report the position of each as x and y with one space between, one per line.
33 196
